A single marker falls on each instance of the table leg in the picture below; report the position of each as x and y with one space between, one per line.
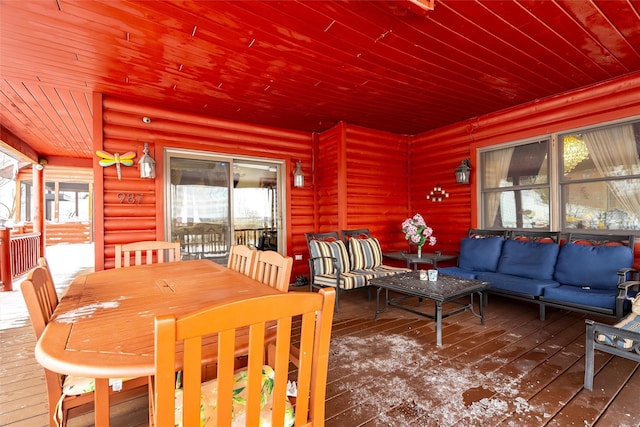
438 324
481 307
102 402
378 311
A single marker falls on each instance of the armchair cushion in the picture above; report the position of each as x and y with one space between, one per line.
480 254
208 398
595 267
533 260
336 249
365 253
630 323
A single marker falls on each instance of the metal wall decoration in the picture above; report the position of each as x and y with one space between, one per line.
108 159
437 194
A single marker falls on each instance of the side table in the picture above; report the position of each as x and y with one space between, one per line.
425 258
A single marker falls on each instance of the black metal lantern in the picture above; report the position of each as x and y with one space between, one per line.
463 172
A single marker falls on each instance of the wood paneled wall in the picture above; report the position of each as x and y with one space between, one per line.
362 182
140 215
354 177
435 155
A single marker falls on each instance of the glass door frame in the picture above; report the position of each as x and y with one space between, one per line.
280 165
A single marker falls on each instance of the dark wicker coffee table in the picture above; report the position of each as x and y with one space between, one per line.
445 289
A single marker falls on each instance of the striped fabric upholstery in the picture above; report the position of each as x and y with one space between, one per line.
629 323
335 250
349 280
365 254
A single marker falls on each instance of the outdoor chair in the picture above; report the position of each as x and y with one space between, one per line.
259 391
242 259
273 269
42 262
147 252
68 396
621 339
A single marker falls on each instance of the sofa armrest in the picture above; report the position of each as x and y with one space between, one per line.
623 295
626 274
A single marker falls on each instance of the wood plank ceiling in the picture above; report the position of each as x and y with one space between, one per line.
301 65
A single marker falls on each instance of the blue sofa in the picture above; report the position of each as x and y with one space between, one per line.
587 273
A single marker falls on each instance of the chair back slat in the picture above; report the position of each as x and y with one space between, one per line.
147 252
273 269
269 321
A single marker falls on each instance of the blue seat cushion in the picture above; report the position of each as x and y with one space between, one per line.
480 254
521 285
533 260
458 272
595 267
602 298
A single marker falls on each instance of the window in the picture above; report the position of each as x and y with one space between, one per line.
598 179
515 184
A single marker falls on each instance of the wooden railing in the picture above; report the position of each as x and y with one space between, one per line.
18 254
65 232
262 238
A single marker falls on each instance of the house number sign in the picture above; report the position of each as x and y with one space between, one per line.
130 198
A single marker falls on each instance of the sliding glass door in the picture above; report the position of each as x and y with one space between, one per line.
214 202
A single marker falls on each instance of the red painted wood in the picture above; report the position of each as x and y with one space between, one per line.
432 162
125 131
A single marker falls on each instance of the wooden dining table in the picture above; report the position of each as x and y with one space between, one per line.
103 326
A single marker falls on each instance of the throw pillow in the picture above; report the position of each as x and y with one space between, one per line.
365 253
328 250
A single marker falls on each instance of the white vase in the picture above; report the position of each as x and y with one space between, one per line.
419 251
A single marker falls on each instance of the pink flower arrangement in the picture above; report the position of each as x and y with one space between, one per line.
417 231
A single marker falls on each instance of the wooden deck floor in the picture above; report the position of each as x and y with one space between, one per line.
514 371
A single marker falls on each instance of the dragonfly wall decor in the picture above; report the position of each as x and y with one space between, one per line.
108 159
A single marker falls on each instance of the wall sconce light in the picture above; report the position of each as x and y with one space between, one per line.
146 164
463 172
298 176
437 194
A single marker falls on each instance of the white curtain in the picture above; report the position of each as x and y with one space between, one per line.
497 167
614 153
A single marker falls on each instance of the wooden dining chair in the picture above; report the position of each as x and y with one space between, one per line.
244 396
241 259
42 262
147 252
68 396
273 269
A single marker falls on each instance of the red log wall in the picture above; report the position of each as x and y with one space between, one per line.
123 130
361 182
434 155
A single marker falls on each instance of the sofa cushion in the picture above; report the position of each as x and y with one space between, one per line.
350 280
533 260
480 254
603 298
364 253
517 284
337 250
595 267
458 272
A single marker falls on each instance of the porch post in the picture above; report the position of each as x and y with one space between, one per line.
38 205
5 260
